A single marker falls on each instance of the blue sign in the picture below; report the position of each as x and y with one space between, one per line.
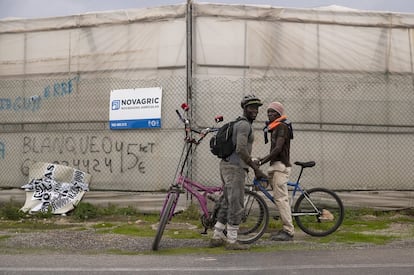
135 108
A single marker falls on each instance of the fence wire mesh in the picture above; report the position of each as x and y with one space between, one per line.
357 127
345 78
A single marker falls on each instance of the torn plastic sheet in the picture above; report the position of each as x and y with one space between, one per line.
54 187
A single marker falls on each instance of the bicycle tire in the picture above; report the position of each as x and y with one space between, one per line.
164 218
255 218
328 217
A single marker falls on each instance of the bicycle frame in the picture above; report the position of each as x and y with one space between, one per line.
295 187
196 189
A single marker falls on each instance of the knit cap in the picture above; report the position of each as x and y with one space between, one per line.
278 107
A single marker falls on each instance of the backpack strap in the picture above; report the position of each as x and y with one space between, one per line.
243 118
289 125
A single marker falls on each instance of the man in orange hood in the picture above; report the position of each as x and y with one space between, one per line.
280 166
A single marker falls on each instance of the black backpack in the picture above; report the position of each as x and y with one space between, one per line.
221 144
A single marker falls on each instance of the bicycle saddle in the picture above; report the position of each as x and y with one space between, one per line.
305 164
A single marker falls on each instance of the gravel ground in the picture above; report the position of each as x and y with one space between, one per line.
90 242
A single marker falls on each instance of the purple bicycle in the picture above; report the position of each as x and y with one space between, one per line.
201 192
252 224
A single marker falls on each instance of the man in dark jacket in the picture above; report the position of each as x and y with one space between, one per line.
280 166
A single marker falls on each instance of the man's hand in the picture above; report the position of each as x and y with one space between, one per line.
256 161
259 174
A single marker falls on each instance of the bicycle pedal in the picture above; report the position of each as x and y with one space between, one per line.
276 218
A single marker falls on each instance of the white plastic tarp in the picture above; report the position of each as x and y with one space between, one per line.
259 37
325 39
54 188
140 39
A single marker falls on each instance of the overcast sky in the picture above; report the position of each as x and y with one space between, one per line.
47 8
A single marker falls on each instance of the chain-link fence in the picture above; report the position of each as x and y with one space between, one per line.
356 122
358 144
356 127
73 129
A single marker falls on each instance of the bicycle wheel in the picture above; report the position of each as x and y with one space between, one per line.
164 217
319 212
255 218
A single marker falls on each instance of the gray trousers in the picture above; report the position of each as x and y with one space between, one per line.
231 203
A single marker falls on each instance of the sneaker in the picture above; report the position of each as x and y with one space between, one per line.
219 235
216 243
237 246
282 236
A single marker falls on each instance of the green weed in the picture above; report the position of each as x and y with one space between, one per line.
355 237
191 213
4 237
103 225
11 211
85 211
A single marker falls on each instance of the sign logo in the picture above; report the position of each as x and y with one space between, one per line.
116 105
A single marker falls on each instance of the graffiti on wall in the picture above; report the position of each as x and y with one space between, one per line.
33 103
60 89
88 153
2 150
20 104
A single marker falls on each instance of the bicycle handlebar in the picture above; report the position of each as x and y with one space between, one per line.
188 128
185 121
202 133
205 131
